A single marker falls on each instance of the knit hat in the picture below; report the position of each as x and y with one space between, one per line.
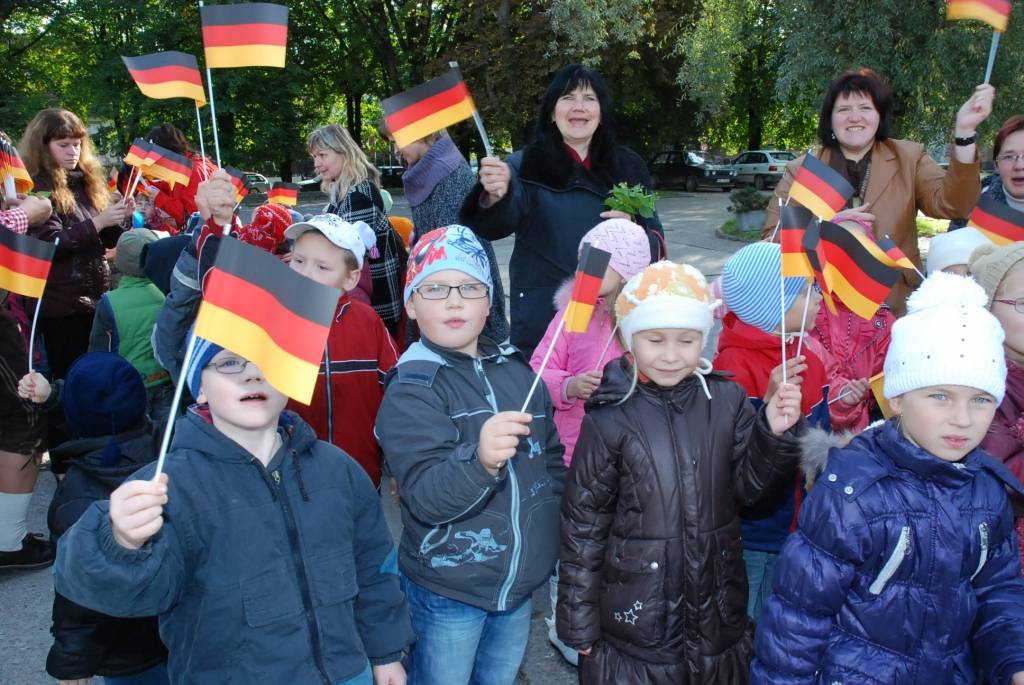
750 285
625 241
357 238
452 247
103 395
202 354
664 295
266 230
953 247
990 264
946 338
129 250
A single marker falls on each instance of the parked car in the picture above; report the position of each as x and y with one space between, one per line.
761 168
689 170
391 175
257 182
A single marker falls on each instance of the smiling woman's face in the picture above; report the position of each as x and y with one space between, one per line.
1011 164
577 115
855 121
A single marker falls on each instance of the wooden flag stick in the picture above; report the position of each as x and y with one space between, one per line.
213 108
782 304
169 427
992 56
10 189
887 237
488 150
35 318
202 146
803 319
131 189
544 363
604 351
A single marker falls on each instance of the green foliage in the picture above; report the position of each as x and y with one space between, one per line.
746 199
634 200
731 229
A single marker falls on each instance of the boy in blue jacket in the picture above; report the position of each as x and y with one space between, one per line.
479 481
263 551
905 567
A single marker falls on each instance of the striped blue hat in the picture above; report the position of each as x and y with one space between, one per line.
750 285
202 354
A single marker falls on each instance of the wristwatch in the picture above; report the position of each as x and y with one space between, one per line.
964 142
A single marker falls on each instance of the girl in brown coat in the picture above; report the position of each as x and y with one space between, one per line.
652 585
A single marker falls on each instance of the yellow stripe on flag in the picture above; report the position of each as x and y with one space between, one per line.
245 56
434 123
996 238
878 390
808 199
577 316
20 283
295 377
796 264
980 11
860 305
173 89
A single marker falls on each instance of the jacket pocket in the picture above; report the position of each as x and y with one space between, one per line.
632 602
270 596
900 552
333 578
731 593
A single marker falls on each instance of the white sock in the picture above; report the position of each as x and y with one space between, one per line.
13 520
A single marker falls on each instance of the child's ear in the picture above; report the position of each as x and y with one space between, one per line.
409 309
352 280
201 399
896 404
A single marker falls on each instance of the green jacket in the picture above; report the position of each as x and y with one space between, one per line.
124 325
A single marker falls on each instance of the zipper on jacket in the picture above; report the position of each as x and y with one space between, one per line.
330 397
300 569
901 551
517 547
983 556
682 510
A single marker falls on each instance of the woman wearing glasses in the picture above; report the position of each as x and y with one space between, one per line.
1006 185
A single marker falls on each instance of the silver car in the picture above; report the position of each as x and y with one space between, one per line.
761 168
257 182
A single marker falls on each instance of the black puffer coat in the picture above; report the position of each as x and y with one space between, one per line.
652 572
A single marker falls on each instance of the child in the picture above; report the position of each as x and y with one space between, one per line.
104 402
651 586
951 251
264 552
750 347
905 568
1000 271
124 322
360 350
480 481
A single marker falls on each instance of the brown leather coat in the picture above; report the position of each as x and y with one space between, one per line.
652 572
903 180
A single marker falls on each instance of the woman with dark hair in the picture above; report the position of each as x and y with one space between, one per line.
1006 185
892 179
552 192
175 205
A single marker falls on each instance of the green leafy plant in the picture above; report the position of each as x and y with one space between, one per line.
748 200
635 200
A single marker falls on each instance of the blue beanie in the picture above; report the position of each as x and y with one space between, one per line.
202 354
750 285
103 395
452 247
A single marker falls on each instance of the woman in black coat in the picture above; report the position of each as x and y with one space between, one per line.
552 192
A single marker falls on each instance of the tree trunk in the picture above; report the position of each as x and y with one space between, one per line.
284 170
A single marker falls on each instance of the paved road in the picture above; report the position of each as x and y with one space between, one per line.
26 597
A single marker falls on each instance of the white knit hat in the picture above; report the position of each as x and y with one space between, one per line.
664 295
946 338
954 247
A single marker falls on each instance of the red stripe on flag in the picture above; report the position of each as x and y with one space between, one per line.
865 285
586 288
791 240
166 74
997 225
226 36
425 108
23 263
821 188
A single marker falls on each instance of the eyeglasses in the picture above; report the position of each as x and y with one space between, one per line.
467 291
231 366
1010 157
1018 304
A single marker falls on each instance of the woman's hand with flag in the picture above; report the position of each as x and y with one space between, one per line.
976 110
494 177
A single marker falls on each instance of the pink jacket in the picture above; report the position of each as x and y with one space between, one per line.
573 354
858 349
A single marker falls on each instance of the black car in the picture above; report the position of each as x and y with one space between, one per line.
391 175
689 170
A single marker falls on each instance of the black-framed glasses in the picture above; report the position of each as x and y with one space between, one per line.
438 291
230 366
1018 304
1010 157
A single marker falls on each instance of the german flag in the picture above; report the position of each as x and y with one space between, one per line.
819 188
428 108
140 154
816 258
248 34
169 166
995 13
998 222
12 165
853 272
239 182
258 308
284 194
895 256
24 263
792 224
167 75
585 289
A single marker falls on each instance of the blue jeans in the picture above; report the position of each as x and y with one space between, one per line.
459 644
153 676
760 575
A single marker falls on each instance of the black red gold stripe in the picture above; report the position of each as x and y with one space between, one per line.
24 263
793 221
238 180
854 273
995 13
167 75
895 255
249 34
427 108
998 222
284 194
819 188
586 288
815 256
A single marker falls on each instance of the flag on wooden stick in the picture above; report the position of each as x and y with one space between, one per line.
586 288
11 165
248 34
428 108
793 221
819 188
854 272
239 182
170 74
24 263
284 194
995 13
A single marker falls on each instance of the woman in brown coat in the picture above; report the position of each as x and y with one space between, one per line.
892 179
652 585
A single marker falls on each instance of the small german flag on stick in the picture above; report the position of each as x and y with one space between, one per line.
430 107
820 188
998 222
169 166
812 248
239 182
895 257
854 272
167 75
248 34
12 167
24 263
585 290
284 194
995 13
792 225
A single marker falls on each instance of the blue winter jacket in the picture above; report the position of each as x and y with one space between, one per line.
286 576
904 570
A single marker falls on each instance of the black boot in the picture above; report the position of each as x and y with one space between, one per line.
36 552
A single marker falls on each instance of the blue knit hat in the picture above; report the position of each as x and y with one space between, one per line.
202 354
750 285
452 247
103 395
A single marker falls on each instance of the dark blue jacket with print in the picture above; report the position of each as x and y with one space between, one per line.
904 570
484 540
286 576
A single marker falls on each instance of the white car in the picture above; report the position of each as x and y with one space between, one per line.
761 168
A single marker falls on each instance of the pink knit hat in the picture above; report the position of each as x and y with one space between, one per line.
627 243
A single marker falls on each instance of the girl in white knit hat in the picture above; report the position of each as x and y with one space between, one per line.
652 586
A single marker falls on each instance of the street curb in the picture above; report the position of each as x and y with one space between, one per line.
735 239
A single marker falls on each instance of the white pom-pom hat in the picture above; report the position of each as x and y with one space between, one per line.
946 338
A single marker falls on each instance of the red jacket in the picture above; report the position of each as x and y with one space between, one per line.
180 202
1005 438
359 353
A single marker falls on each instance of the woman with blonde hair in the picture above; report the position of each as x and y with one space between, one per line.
58 154
352 185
